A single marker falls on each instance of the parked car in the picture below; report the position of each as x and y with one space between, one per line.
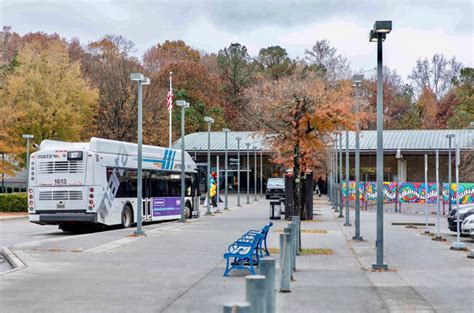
275 188
467 227
464 211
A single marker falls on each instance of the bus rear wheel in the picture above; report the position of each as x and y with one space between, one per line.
127 217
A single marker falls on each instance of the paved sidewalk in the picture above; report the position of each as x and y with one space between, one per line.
179 267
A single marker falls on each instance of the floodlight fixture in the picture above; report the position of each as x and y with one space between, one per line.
357 79
208 119
374 37
383 27
182 104
136 76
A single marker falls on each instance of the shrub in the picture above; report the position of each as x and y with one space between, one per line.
13 202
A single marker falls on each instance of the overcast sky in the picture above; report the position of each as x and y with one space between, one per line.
420 27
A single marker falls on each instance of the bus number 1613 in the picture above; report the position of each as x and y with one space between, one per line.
61 181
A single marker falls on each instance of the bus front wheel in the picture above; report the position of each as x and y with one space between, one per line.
127 217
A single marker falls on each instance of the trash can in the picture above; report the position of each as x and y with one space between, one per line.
275 210
282 205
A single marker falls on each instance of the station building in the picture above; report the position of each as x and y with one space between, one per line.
404 154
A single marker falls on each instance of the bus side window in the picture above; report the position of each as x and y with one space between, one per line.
159 185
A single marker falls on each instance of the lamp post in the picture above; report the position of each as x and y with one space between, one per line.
336 180
457 245
183 105
209 120
357 81
195 153
3 173
141 80
28 137
340 175
238 170
226 207
248 172
261 173
255 174
449 136
378 34
348 198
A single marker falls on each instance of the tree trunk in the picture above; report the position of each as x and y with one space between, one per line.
297 180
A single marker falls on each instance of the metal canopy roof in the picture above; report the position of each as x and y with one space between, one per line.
198 141
413 140
405 140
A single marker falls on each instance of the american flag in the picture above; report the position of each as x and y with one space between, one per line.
169 99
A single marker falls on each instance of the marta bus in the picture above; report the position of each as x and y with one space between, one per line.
74 185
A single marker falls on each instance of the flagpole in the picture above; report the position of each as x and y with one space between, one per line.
170 111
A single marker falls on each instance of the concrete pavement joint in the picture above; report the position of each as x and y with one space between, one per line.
14 261
412 301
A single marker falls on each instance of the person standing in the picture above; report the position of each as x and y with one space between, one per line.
213 194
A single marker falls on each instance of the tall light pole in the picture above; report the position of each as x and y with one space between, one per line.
336 180
378 34
449 136
183 105
238 170
28 137
261 173
255 174
426 195
248 172
348 198
209 120
438 189
195 153
3 174
141 80
340 175
357 81
226 207
457 245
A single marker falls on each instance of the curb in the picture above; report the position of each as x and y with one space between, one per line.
7 218
13 259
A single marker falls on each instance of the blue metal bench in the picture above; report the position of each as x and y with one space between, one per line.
243 250
263 241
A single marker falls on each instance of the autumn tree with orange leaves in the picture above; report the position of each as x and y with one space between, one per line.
298 114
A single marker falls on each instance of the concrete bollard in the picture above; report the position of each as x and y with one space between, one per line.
255 293
285 262
294 236
296 220
237 307
289 230
267 269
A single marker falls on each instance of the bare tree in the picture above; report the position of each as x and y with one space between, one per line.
324 59
436 75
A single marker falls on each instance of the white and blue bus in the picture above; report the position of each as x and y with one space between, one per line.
78 184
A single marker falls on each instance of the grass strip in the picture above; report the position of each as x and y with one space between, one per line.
307 231
310 251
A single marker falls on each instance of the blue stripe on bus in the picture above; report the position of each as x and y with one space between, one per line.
165 159
172 161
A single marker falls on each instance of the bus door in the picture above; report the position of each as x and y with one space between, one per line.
147 200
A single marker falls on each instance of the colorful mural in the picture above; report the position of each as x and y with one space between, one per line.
410 192
466 193
416 192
